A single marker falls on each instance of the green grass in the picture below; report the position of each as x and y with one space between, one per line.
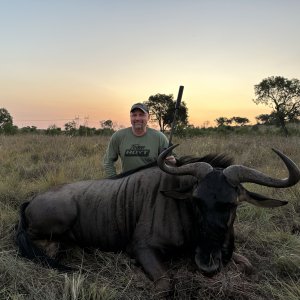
269 238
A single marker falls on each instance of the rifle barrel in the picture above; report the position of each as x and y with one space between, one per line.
179 97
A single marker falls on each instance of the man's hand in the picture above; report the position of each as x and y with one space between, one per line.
170 160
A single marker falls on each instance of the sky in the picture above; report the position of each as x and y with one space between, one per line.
62 60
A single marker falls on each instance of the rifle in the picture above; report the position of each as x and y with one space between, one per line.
175 113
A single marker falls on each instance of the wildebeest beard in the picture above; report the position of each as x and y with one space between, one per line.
215 247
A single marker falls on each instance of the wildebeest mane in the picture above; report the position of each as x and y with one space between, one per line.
215 160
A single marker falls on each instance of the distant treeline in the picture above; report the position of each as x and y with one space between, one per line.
183 132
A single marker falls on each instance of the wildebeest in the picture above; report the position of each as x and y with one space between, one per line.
151 212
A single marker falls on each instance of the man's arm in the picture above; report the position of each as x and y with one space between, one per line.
110 157
171 159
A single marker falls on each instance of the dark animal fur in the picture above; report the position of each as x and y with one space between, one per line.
29 250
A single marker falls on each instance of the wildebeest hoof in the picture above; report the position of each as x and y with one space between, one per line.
243 263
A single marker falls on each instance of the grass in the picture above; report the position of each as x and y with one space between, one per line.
269 238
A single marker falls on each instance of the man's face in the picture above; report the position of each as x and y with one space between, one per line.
139 119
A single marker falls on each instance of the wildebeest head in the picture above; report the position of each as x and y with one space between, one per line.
215 198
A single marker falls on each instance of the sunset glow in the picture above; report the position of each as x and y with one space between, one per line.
92 60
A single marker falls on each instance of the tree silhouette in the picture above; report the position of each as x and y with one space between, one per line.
5 118
282 95
223 121
162 108
267 119
106 124
70 128
240 121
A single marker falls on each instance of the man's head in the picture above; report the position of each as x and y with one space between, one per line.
139 117
141 107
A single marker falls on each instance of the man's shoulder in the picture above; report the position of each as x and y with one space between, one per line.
152 130
122 132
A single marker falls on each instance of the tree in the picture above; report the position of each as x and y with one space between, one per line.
267 119
86 131
70 128
10 129
5 118
106 124
282 95
6 122
222 121
53 130
240 121
162 108
29 129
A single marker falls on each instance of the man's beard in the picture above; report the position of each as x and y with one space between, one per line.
138 125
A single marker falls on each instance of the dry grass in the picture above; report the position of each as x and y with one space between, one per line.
268 237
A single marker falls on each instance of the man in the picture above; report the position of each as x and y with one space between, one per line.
137 145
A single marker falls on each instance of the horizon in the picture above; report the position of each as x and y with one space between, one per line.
93 60
83 121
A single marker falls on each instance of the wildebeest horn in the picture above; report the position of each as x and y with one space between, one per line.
237 174
197 169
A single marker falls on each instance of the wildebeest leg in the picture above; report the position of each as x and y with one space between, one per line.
151 261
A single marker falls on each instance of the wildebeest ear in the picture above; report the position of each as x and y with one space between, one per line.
259 200
177 195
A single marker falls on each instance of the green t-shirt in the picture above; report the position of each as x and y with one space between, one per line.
134 151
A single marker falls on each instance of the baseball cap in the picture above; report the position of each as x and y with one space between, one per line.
140 106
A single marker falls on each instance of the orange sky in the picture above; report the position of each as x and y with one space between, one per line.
60 60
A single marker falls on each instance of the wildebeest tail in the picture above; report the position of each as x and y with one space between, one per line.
29 250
